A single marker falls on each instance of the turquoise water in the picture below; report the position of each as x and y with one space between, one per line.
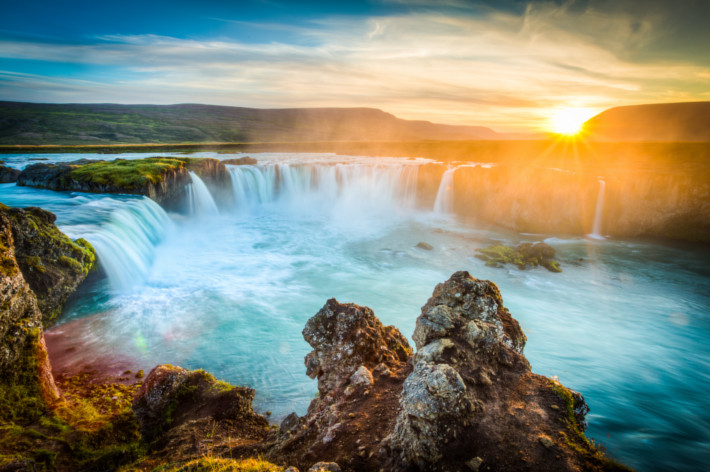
627 323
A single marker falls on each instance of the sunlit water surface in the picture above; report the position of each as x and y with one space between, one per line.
627 323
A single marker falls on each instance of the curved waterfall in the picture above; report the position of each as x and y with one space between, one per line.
125 242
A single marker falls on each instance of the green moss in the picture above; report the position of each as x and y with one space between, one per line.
523 256
126 174
33 263
576 440
216 464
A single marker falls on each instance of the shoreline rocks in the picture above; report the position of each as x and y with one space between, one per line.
52 264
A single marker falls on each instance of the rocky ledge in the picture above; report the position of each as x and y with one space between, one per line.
52 264
163 179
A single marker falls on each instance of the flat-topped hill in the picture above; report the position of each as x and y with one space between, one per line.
663 122
36 123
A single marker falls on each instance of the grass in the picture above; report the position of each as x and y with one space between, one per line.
216 464
127 174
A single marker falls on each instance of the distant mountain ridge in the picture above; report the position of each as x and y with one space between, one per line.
37 123
663 122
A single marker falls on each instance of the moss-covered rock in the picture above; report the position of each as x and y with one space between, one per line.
175 405
161 178
52 264
524 255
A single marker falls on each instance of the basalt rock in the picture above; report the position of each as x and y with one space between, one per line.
23 355
189 413
8 175
162 181
360 365
466 400
52 264
472 399
242 161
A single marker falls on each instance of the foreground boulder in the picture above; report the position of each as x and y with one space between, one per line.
466 400
52 264
186 414
360 365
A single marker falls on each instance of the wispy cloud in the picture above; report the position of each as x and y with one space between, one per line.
503 69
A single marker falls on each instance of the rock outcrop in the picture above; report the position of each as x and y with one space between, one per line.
23 355
360 365
524 255
189 413
241 161
52 264
162 179
19 315
466 400
8 175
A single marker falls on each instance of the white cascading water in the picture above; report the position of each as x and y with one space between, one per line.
341 189
599 212
125 242
200 200
444 203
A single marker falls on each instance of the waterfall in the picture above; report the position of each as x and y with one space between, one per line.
199 198
125 241
444 203
599 212
326 188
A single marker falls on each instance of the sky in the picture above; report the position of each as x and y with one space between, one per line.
510 64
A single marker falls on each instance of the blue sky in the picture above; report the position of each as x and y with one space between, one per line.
506 64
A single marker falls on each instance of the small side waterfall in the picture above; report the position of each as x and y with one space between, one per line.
125 242
599 212
444 203
199 198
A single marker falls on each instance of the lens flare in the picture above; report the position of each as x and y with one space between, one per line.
569 121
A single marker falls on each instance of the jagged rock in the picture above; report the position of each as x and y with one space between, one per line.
466 400
362 377
52 264
471 398
348 328
8 175
289 424
23 354
178 408
325 467
349 344
242 161
19 314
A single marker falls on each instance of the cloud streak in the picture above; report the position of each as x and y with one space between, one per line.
504 69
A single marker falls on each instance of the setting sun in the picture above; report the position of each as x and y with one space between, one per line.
569 121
